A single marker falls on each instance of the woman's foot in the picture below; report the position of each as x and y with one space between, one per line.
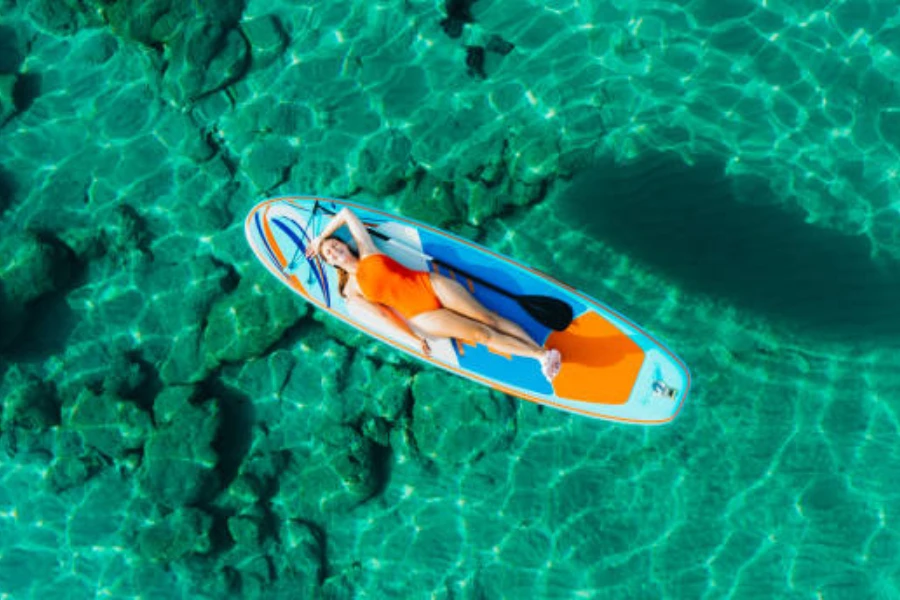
551 363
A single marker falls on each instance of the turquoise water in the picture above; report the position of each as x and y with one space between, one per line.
177 425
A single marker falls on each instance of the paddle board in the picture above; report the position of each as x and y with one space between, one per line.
612 369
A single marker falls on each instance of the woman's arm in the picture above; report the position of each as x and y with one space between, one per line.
358 232
361 306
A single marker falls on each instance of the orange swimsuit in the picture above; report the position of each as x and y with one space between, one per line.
383 280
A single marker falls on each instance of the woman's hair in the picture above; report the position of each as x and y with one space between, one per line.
343 276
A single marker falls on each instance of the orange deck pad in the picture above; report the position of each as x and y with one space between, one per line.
600 363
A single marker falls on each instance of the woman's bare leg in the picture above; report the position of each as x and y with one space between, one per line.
447 323
458 299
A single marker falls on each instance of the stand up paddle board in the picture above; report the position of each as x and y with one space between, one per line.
611 368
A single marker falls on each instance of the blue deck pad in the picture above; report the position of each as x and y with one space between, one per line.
516 371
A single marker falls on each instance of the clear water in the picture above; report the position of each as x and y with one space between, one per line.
177 425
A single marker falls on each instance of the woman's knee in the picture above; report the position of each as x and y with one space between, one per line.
491 319
481 333
447 323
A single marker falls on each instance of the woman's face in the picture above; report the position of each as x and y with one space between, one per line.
335 252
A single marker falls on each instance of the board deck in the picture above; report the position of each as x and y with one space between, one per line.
612 369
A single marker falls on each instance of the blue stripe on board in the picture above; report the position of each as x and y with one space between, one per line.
315 265
320 276
265 242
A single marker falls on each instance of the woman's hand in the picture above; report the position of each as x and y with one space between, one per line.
313 248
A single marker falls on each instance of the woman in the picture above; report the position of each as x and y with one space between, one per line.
431 303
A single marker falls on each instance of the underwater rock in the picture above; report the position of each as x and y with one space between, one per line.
263 381
246 322
96 49
200 149
498 45
126 233
191 287
150 22
67 472
575 161
431 200
286 118
267 163
171 401
12 44
120 308
185 362
179 534
335 476
123 114
179 466
483 420
485 162
28 402
243 491
342 586
302 546
27 446
475 61
109 424
324 329
299 562
246 532
373 389
584 124
280 563
206 57
267 38
294 393
60 17
484 203
536 162
96 364
125 378
257 478
179 314
384 164
37 264
7 97
95 519
183 135
254 577
459 14
7 185
378 430
889 127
